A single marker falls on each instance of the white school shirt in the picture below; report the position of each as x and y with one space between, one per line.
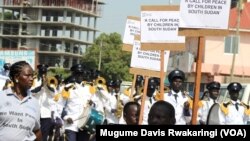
234 116
46 101
75 106
147 107
178 106
108 106
204 110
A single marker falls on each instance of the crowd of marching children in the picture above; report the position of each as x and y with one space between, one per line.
35 106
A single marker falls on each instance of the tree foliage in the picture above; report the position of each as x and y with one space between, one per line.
7 15
114 62
59 71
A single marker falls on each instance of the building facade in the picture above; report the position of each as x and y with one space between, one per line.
59 30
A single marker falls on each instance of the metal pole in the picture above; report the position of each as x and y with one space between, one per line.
239 6
100 56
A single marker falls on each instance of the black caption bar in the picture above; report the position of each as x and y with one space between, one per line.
126 132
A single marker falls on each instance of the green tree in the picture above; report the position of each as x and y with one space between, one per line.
114 62
59 71
8 15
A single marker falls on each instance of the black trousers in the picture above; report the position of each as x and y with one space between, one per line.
46 127
77 136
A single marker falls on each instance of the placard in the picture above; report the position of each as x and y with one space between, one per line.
159 28
150 60
208 14
132 28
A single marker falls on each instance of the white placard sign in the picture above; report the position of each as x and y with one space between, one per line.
209 14
150 60
132 28
160 27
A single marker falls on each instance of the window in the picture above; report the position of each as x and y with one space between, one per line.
54 32
47 18
47 32
23 42
230 42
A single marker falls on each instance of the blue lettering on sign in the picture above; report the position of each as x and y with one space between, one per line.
20 53
12 56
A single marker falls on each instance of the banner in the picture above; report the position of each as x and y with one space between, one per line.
12 56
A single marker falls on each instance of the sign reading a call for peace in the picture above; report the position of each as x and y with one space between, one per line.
160 27
209 14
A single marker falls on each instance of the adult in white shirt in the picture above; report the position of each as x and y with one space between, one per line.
77 101
6 69
19 110
178 98
150 100
45 98
213 93
5 81
136 94
121 99
110 105
234 112
138 88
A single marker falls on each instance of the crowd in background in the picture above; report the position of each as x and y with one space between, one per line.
35 106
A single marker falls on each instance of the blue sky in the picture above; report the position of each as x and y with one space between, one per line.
115 13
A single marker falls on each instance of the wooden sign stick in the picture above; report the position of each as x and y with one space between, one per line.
162 75
198 79
143 100
132 89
